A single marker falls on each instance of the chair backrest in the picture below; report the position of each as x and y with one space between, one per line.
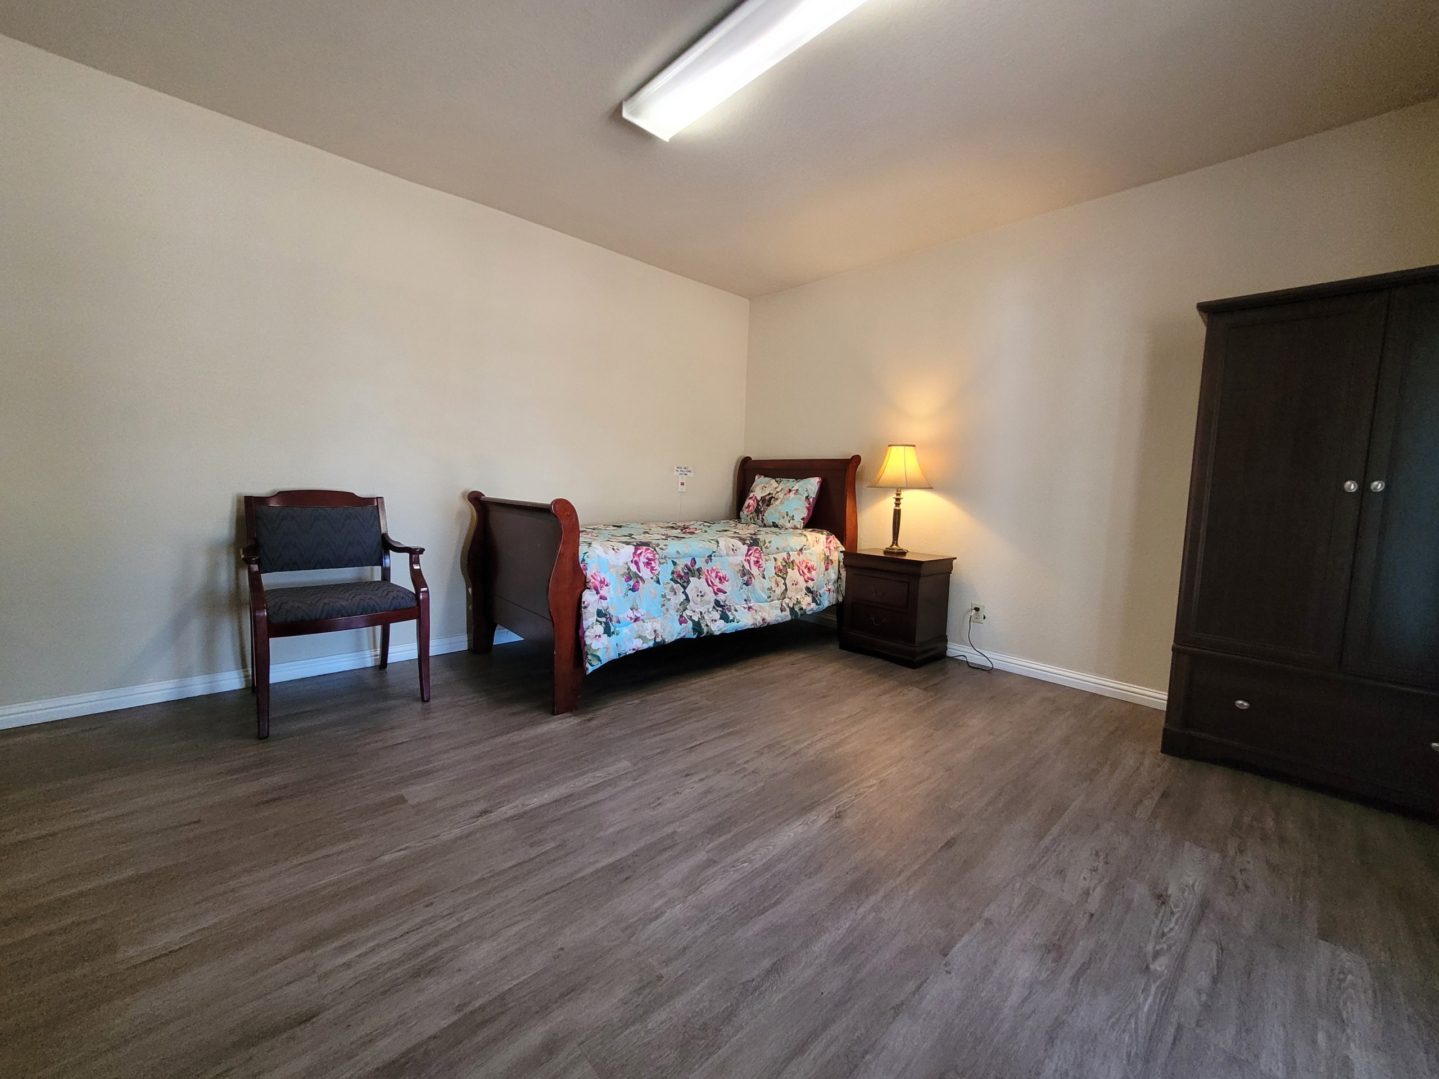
298 530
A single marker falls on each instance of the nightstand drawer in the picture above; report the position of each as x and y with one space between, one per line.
873 621
880 591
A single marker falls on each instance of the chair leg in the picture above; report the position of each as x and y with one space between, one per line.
384 646
262 680
422 647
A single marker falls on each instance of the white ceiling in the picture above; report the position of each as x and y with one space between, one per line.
909 123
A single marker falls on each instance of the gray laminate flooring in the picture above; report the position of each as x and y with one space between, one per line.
756 856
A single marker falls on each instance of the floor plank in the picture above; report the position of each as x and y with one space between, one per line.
755 856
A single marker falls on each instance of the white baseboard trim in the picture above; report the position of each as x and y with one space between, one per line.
110 700
1090 683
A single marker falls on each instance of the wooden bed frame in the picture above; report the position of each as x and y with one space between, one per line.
524 561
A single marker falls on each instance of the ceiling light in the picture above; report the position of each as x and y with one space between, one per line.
749 41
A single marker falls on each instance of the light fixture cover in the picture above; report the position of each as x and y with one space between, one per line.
900 468
745 44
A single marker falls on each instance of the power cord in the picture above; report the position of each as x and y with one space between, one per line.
969 640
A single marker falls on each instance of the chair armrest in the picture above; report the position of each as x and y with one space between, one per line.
399 548
250 555
417 579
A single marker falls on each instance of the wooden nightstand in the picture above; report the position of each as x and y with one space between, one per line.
896 606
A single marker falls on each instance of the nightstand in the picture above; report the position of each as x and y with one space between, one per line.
896 606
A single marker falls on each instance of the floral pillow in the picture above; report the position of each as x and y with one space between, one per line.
777 503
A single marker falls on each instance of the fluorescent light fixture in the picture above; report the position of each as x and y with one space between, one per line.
749 41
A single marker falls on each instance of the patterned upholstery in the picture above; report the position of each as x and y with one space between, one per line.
324 537
336 600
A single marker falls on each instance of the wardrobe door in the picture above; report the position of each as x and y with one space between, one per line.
1393 628
1285 410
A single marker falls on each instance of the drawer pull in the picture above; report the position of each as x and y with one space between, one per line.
1242 705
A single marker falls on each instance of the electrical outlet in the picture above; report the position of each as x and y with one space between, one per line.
977 612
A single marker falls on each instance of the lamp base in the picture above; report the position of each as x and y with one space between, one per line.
894 550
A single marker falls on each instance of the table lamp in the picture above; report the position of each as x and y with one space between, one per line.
899 470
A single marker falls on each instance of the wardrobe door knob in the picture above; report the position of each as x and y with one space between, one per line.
1377 486
1351 486
1434 746
1242 705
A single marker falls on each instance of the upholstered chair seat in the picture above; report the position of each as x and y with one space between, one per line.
307 603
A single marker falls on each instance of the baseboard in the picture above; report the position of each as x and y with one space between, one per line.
110 700
1090 683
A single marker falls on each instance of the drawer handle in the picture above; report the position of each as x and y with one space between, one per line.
1242 705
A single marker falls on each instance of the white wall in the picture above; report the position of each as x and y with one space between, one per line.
192 309
1048 371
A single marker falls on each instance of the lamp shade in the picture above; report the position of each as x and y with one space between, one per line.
900 468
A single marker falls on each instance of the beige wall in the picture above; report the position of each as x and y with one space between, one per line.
192 308
1048 371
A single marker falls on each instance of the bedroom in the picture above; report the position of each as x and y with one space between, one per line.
253 247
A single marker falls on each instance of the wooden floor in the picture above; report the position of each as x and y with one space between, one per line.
756 856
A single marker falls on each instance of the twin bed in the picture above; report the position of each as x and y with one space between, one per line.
603 592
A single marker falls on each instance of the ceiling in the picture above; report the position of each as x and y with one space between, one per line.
909 123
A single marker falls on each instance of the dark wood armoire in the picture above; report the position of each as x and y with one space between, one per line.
1307 641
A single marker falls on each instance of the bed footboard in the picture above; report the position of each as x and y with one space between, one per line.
524 565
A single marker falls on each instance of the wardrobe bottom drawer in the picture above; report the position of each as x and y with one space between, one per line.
1365 737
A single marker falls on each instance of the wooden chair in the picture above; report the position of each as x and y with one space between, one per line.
308 530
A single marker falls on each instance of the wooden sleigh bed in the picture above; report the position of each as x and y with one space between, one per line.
525 572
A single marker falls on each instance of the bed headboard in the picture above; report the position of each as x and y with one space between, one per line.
834 510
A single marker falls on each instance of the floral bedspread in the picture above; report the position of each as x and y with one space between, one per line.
648 584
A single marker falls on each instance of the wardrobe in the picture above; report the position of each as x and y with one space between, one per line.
1307 640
